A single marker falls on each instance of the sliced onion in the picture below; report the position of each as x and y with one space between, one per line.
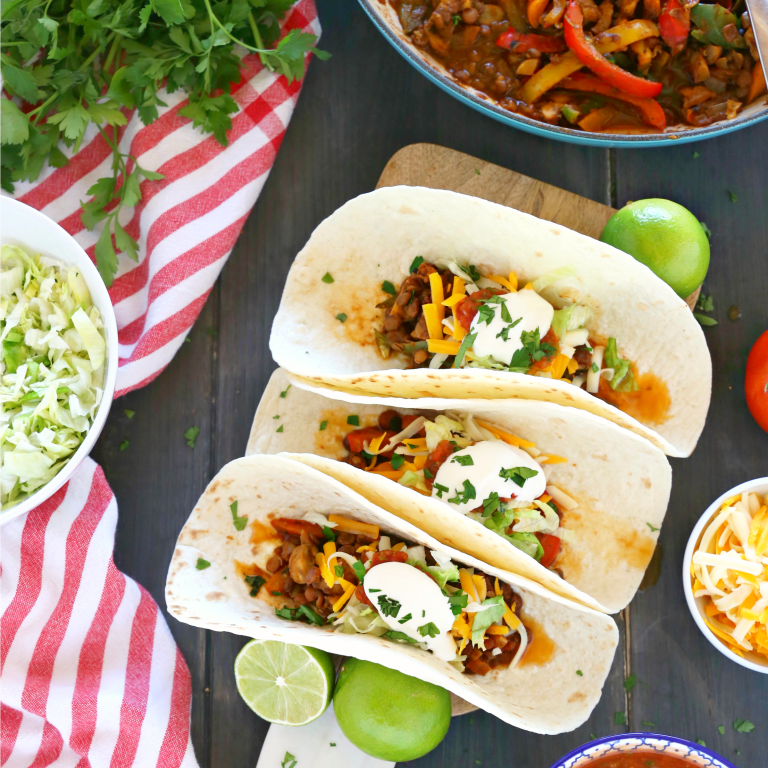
437 360
523 644
576 338
562 499
321 520
593 378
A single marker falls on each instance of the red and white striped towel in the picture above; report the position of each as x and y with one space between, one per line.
91 676
90 673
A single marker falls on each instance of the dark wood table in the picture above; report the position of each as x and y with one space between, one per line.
355 112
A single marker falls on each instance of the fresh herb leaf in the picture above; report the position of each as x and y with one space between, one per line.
395 635
405 618
518 475
327 278
579 673
466 343
458 602
312 616
191 435
129 413
289 761
387 287
416 263
428 474
255 583
619 718
285 392
285 613
280 428
397 460
705 303
359 570
441 489
339 571
491 504
323 425
276 416
353 420
630 683
485 314
705 319
341 317
701 742
429 630
201 564
648 723
465 461
721 730
743 726
124 445
465 495
238 522
733 196
473 272
595 368
653 528
328 533
388 607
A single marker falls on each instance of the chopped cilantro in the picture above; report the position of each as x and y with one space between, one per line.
277 416
506 317
328 533
648 723
129 413
653 528
619 718
579 673
387 287
533 350
124 444
477 171
732 195
201 564
743 726
458 602
388 607
696 155
721 729
485 314
405 618
473 272
327 278
705 320
359 570
238 522
465 461
323 425
466 343
701 742
491 504
191 435
397 460
416 263
374 590
289 761
353 420
255 583
428 474
339 571
395 423
285 391
518 475
441 489
429 630
279 429
707 230
312 616
623 378
630 683
395 635
285 613
465 495
595 368
341 317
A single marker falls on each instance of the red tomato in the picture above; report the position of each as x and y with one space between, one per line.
466 309
362 597
551 546
436 459
756 381
388 556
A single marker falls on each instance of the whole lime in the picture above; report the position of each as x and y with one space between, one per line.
387 714
664 236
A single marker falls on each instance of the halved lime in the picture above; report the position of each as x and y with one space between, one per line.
284 684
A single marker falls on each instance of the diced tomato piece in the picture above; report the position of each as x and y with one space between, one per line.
362 597
551 545
466 309
388 556
437 458
295 527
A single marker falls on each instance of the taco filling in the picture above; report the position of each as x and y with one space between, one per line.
477 469
348 574
446 315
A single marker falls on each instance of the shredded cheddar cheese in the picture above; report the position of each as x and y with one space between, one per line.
355 526
508 438
436 286
729 569
503 281
443 346
434 321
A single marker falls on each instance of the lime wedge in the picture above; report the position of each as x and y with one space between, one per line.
284 684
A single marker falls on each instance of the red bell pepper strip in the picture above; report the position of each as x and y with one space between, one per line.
588 55
515 41
675 24
649 109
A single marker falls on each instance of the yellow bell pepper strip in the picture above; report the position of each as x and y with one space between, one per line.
597 119
620 36
606 70
535 11
650 109
758 85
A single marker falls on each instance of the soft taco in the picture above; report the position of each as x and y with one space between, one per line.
275 549
411 292
553 493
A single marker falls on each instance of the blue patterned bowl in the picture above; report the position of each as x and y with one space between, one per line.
385 18
695 754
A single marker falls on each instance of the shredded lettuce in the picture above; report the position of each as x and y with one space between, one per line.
526 542
443 428
484 619
623 379
414 480
485 362
570 318
552 277
52 369
444 573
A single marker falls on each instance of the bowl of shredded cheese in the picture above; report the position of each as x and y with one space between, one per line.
725 574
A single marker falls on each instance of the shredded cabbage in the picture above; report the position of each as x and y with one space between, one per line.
443 428
552 277
483 619
570 318
52 369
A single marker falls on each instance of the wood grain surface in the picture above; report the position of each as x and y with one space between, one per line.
355 112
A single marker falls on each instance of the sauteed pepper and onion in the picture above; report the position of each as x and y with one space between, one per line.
342 572
616 66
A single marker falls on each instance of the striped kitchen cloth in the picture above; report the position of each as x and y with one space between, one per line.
186 225
91 677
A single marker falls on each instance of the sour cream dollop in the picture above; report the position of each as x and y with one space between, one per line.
419 598
528 305
489 458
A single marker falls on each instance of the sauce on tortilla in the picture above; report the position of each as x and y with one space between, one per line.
649 405
541 648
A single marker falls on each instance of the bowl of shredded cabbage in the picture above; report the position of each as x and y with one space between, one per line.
59 357
725 574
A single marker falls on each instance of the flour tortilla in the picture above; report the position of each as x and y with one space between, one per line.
622 483
375 237
548 698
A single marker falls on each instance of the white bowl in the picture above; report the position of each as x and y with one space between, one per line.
29 229
752 661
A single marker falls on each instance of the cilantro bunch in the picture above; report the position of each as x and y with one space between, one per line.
68 64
